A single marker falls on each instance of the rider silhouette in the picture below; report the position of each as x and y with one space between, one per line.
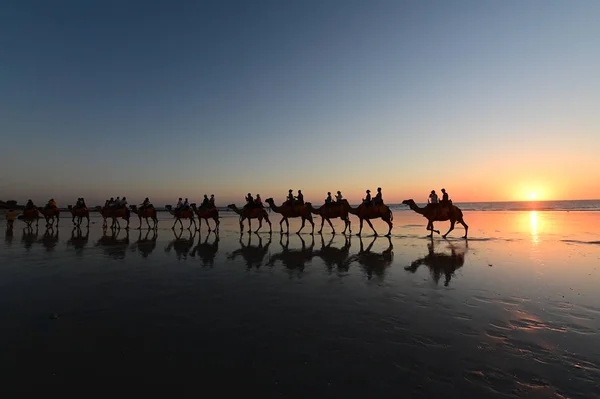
205 202
378 200
367 200
328 200
300 198
445 201
338 197
211 201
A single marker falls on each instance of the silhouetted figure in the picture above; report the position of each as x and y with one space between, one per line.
300 198
433 198
249 202
186 204
338 197
51 204
11 216
378 200
29 205
179 204
290 198
145 204
205 202
367 199
211 201
445 201
258 202
328 200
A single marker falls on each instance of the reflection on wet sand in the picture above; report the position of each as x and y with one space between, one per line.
181 245
145 245
439 262
372 262
114 246
293 259
207 251
335 257
29 237
252 254
78 240
50 238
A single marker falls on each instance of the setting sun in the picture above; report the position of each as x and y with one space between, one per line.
532 196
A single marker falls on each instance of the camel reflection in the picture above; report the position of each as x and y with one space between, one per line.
145 245
114 247
50 238
441 263
293 259
335 257
373 263
182 246
78 240
207 252
253 255
29 237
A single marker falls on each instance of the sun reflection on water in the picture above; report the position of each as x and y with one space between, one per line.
533 221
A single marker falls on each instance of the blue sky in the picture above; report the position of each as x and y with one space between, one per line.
181 98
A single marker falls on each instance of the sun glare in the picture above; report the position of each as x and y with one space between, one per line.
532 196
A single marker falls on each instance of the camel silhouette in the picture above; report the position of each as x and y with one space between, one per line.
182 214
332 211
146 213
207 251
253 255
440 263
207 213
295 211
439 213
252 213
79 213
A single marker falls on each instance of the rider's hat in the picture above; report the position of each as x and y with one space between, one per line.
368 191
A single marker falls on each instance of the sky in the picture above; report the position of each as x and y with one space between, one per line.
495 101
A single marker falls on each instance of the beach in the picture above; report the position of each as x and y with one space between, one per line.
511 312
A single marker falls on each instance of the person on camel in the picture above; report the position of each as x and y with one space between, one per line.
367 200
338 197
328 200
51 204
179 204
82 203
378 200
145 204
249 201
290 198
300 198
258 201
205 202
211 201
110 203
116 203
433 198
186 204
29 205
445 201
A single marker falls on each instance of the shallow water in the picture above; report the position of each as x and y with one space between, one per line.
512 312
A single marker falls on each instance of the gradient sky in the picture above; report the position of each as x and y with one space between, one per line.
492 100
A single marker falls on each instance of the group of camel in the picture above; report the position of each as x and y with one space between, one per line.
432 212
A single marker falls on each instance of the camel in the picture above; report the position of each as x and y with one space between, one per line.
295 211
181 246
115 214
371 262
207 213
79 213
29 216
114 247
182 214
368 212
439 263
145 245
438 213
332 211
251 213
78 240
49 214
146 213
207 252
252 254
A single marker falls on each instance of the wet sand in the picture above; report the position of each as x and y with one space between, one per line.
512 312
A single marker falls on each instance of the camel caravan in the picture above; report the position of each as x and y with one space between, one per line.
294 207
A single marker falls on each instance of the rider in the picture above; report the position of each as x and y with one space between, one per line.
290 198
145 204
179 204
338 197
445 201
110 203
258 201
51 204
433 198
378 200
328 200
367 199
186 204
205 202
300 198
82 203
11 215
123 203
117 203
29 204
250 201
211 201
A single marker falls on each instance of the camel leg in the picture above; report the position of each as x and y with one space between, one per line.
360 229
312 224
281 225
452 222
389 233
127 227
462 221
250 226
331 224
345 225
259 225
270 226
190 226
371 226
217 223
322 223
302 226
241 224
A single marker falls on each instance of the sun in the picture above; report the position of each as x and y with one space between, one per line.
532 196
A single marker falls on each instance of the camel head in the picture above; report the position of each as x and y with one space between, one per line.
69 207
269 201
133 207
231 206
168 207
193 205
408 202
